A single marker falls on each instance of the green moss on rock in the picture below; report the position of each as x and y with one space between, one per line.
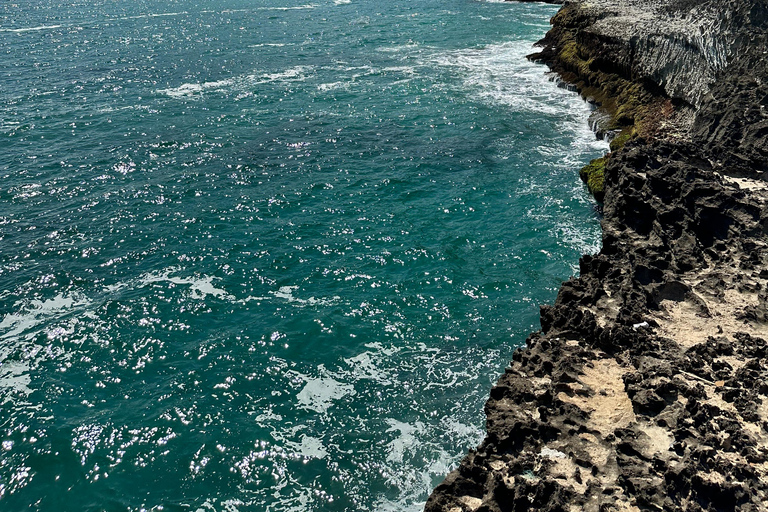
593 174
622 138
573 56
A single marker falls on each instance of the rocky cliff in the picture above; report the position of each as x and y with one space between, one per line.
647 386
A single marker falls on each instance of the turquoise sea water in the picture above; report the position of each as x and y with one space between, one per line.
270 255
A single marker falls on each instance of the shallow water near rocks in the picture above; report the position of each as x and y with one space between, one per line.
271 255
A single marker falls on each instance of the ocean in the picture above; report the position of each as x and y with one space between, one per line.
271 255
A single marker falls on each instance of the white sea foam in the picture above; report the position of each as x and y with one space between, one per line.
286 293
27 322
584 238
30 29
309 447
295 8
406 70
500 74
14 376
366 366
154 15
107 110
37 312
294 73
199 287
238 83
319 394
275 45
342 2
357 72
251 298
192 90
333 86
406 441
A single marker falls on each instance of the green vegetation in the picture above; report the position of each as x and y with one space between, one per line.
593 175
622 138
571 56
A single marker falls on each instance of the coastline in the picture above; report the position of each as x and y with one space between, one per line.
644 389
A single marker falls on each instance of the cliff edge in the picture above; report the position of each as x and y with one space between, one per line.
647 386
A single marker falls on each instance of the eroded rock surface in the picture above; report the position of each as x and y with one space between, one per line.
647 387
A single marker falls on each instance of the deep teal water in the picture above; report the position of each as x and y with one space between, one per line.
270 255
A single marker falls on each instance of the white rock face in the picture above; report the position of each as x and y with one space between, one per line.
682 53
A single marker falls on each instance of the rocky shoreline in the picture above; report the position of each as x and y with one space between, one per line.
647 386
